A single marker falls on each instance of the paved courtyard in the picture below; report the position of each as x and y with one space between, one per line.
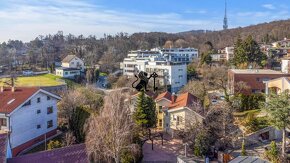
167 153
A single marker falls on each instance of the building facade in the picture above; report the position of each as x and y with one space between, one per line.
179 55
173 75
72 61
253 78
28 115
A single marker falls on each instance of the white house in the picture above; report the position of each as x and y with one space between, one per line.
67 72
72 61
71 66
181 111
28 115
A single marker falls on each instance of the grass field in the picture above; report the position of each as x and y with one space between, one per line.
39 80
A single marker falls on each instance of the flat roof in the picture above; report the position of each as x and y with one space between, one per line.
67 68
255 71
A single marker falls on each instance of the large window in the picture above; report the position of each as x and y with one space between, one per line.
50 110
49 124
38 100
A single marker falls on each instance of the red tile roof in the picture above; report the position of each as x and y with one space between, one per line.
3 140
183 100
71 154
166 95
11 100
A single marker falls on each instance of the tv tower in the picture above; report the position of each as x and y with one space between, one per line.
225 18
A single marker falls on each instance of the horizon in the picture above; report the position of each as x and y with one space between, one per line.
27 20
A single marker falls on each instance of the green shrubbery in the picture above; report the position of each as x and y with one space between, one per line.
249 102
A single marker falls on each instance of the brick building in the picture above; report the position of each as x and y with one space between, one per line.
254 78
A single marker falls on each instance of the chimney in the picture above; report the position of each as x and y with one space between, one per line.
13 89
173 97
1 89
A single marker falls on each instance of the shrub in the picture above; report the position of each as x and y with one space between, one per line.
53 144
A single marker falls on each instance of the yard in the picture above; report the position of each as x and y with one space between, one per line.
38 80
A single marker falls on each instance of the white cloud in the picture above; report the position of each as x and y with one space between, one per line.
26 20
269 6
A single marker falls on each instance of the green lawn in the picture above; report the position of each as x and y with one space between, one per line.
39 80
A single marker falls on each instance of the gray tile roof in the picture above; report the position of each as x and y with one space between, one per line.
68 58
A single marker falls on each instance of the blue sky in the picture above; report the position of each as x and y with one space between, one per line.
27 19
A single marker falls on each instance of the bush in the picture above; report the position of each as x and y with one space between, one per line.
53 144
249 102
273 153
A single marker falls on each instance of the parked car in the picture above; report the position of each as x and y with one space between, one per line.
27 73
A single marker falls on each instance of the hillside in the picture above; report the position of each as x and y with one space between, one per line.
112 49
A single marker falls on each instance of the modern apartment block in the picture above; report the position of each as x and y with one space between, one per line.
170 73
179 55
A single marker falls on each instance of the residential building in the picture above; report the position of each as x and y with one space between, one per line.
28 115
72 61
163 100
229 51
253 78
67 72
282 44
285 66
171 75
217 57
277 85
177 112
71 66
179 55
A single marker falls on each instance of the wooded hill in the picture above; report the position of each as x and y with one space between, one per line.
112 49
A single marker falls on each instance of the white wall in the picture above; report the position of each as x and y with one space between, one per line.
74 63
285 66
24 121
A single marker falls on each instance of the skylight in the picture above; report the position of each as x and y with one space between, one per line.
10 101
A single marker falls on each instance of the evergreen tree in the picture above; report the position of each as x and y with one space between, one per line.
145 115
278 109
247 53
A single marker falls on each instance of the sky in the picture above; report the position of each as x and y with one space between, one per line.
26 19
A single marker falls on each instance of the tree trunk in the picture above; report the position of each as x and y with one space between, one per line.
283 142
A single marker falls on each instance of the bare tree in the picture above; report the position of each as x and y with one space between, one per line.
109 134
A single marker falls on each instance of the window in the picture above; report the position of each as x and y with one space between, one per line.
27 103
50 110
49 124
38 126
48 97
3 122
38 111
72 63
160 109
66 73
38 100
174 117
160 122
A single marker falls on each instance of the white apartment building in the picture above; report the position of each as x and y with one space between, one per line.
179 55
229 52
28 115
